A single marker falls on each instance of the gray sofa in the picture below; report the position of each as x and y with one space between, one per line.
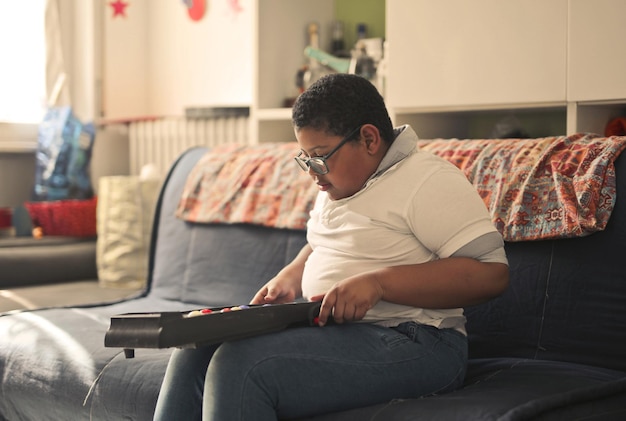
552 347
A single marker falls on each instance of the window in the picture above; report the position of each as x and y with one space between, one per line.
22 73
23 52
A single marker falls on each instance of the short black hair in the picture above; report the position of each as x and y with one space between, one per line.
339 103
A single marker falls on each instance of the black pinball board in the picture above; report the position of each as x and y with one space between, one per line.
192 329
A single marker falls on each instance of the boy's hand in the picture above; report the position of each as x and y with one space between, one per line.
286 286
350 299
277 291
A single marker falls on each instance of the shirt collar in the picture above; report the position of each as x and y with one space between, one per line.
404 144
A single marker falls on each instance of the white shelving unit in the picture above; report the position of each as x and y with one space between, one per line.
455 68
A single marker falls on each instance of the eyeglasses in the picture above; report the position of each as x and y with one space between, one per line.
318 163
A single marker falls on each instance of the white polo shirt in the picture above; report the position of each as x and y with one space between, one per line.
417 208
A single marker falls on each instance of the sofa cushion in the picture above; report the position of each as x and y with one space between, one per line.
512 389
224 264
56 358
192 261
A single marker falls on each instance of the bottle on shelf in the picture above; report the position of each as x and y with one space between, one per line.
338 46
361 31
362 63
315 69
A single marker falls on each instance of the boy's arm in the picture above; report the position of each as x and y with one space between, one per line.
446 283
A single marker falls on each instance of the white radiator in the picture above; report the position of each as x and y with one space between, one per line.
161 141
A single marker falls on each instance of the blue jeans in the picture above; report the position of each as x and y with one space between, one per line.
307 371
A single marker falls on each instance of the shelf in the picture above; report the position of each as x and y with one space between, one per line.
281 39
280 30
537 120
593 116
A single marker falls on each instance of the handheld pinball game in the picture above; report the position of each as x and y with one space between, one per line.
196 328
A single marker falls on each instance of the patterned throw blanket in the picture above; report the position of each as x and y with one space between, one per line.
259 185
553 187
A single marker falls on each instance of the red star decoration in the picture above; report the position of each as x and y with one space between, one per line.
119 8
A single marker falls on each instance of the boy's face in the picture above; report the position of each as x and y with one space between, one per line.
348 168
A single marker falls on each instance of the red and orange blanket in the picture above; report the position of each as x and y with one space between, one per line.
551 187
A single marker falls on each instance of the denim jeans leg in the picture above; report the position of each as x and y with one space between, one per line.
180 397
301 372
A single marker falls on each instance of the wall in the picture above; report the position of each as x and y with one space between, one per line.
158 61
352 12
205 63
125 76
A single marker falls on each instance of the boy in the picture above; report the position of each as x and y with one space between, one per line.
398 242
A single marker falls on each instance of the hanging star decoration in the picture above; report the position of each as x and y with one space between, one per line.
119 8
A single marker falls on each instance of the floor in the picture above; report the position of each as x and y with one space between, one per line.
62 294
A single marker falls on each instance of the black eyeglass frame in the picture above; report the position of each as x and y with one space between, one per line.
320 161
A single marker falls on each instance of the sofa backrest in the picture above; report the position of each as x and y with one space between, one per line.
566 300
212 265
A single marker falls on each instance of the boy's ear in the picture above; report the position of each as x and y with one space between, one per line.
371 138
